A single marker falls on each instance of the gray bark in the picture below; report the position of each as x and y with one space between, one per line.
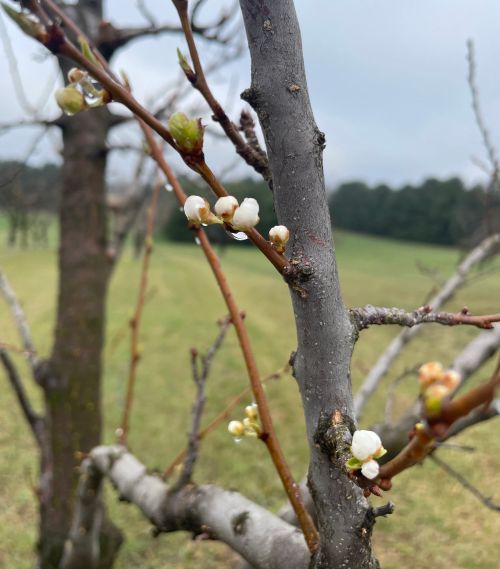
325 333
260 537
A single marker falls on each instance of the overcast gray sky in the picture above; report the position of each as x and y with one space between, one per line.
387 80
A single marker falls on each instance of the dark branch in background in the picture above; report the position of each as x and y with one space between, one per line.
485 135
486 501
262 538
476 105
35 421
378 315
200 378
197 77
112 38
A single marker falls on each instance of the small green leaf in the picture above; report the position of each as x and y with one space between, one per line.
87 52
353 463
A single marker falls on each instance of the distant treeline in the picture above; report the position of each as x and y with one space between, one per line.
437 211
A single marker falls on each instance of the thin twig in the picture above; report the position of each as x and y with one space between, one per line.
199 82
488 502
135 321
20 319
200 379
35 422
222 416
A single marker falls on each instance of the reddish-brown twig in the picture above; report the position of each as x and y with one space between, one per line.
219 418
423 441
135 321
199 82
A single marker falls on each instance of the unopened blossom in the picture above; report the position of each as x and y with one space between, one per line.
279 235
187 133
75 75
236 428
251 411
225 207
246 216
197 210
370 469
366 445
451 379
434 396
430 373
70 100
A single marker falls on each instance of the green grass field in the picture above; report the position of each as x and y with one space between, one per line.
436 524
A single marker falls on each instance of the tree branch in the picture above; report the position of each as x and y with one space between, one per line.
200 380
385 360
263 539
35 422
378 315
20 319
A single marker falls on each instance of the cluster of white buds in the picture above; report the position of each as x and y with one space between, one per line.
249 427
81 94
436 384
366 448
227 210
236 217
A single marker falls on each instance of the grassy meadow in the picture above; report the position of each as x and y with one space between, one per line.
436 523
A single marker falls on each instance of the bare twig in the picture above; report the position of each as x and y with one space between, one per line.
35 422
20 319
135 321
487 501
222 416
378 315
200 379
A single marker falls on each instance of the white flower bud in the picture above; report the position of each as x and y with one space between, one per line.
236 428
251 411
246 216
370 469
198 211
365 444
279 235
225 207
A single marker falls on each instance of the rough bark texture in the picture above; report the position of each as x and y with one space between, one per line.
321 364
71 378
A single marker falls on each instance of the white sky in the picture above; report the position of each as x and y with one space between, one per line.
387 80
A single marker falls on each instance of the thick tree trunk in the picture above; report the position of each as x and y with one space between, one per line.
326 336
71 378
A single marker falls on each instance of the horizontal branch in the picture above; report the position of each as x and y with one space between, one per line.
387 357
260 537
378 315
